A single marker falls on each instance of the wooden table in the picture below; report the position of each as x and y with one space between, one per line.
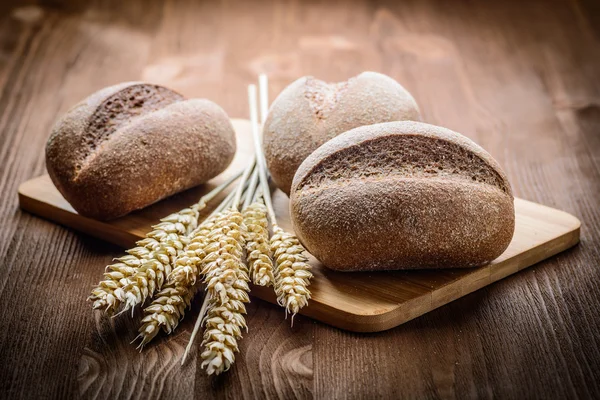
520 78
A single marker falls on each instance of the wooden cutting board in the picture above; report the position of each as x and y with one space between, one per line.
362 302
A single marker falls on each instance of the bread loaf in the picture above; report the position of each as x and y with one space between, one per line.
130 145
402 195
309 112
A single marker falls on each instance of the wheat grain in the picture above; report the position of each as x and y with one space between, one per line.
258 252
292 271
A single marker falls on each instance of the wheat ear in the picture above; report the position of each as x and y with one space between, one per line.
108 294
258 251
151 253
292 271
226 278
249 193
166 310
227 287
187 265
169 304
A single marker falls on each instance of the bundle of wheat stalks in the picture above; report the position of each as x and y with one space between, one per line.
229 248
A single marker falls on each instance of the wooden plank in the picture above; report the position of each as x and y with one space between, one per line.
362 302
520 78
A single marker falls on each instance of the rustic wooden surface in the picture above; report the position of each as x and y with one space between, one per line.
520 78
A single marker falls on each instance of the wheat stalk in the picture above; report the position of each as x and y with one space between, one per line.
258 251
150 259
226 278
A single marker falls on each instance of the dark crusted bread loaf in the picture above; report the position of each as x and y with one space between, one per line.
130 145
309 112
402 195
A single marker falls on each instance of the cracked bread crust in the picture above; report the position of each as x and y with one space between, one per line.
309 112
402 195
130 145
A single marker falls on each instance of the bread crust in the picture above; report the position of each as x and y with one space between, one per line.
444 203
309 112
138 157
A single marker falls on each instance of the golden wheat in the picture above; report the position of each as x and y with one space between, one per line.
141 272
215 244
226 278
258 252
186 265
292 271
223 328
166 310
167 240
109 293
168 305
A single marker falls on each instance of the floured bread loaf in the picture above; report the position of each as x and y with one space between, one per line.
402 195
309 112
130 145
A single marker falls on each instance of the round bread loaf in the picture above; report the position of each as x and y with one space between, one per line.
402 195
309 112
130 145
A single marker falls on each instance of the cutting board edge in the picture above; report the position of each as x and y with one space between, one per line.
114 236
389 319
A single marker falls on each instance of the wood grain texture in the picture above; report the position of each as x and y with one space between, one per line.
520 78
360 302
